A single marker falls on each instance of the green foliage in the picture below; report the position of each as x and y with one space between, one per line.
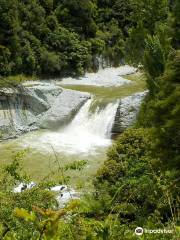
50 62
122 12
112 35
138 185
154 57
146 18
60 38
5 65
176 24
15 81
63 38
152 13
79 16
45 222
162 111
137 191
10 176
126 174
97 45
76 165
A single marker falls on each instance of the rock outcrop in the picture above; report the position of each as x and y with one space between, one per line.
63 109
28 108
127 111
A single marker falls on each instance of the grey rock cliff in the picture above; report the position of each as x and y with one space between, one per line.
27 108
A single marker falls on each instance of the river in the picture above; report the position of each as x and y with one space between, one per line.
85 138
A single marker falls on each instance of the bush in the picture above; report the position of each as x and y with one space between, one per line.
131 177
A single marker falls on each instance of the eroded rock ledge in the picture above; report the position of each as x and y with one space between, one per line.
45 105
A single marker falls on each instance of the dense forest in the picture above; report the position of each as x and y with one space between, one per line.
139 182
61 37
64 37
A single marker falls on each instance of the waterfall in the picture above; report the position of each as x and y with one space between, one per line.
98 123
88 131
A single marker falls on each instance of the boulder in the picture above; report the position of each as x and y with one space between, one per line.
127 111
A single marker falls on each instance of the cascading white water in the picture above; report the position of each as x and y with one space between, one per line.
98 123
87 131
